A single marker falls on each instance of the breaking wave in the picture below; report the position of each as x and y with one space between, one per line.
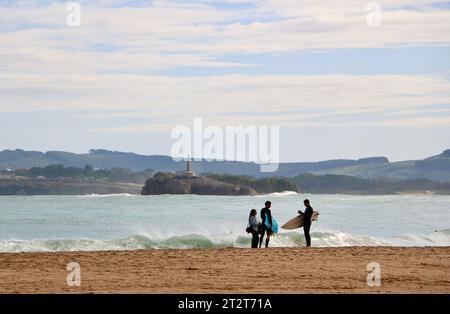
287 239
93 195
275 194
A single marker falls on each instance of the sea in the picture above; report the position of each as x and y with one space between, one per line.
131 222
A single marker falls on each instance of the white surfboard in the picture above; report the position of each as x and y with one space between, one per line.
297 222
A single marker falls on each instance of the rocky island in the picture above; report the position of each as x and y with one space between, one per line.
170 183
186 182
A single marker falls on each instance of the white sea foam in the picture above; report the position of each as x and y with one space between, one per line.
437 238
93 195
286 239
278 194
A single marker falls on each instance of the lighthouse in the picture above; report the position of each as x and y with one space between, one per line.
188 172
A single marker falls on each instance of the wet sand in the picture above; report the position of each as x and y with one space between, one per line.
230 270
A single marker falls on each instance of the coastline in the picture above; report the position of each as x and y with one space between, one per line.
231 270
134 189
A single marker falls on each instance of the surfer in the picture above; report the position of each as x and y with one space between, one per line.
253 225
266 214
307 221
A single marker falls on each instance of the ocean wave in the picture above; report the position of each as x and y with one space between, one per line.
93 195
133 242
278 194
285 239
437 238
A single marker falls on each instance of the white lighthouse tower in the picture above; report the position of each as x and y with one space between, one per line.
188 172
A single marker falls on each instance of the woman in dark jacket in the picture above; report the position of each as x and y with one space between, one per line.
253 227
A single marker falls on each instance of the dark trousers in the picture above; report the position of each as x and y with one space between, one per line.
255 239
268 233
306 229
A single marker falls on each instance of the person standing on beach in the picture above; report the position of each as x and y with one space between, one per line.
266 214
253 225
307 221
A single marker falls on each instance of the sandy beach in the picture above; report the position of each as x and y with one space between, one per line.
230 270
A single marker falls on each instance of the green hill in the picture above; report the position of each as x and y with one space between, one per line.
436 168
340 184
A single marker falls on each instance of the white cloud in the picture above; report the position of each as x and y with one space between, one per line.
285 99
111 63
176 33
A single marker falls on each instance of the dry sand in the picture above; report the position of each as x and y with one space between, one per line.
230 270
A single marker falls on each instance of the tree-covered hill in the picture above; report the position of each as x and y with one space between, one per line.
435 168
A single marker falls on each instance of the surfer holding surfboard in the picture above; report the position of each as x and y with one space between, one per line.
303 220
307 221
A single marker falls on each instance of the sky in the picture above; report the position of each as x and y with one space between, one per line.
341 79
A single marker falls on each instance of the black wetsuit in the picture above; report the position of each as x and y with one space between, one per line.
265 212
307 224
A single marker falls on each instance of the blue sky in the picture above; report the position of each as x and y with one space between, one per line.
134 70
395 60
